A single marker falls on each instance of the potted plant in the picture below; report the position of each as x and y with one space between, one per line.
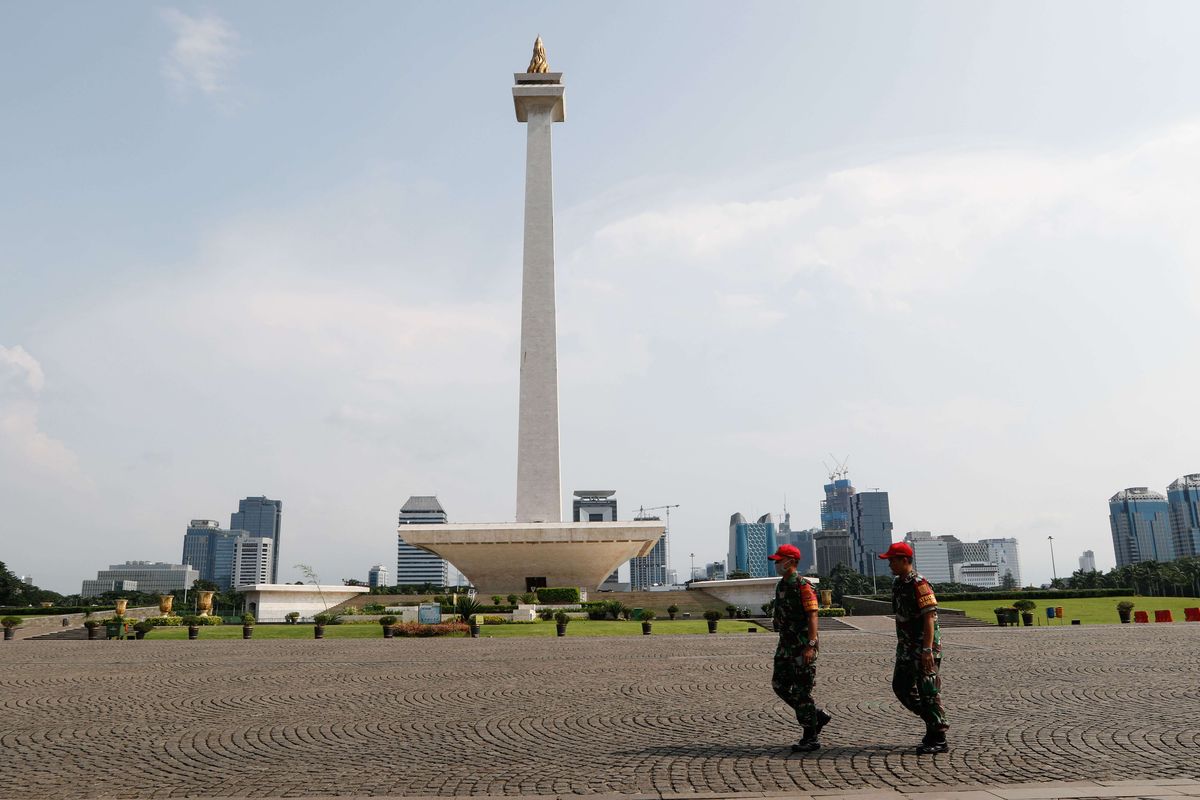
319 623
292 617
10 624
386 623
1001 613
193 625
1125 610
647 617
730 610
140 629
247 625
546 614
512 599
672 610
712 617
93 628
560 623
1026 608
497 599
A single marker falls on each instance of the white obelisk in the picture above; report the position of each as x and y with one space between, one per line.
538 97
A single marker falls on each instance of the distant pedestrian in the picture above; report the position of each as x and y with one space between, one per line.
916 680
796 656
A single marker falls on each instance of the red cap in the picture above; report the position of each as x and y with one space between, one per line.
898 549
786 551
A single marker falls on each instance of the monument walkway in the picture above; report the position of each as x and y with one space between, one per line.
1036 713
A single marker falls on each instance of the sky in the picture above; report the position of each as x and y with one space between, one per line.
275 248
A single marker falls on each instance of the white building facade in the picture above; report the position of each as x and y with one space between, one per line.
253 557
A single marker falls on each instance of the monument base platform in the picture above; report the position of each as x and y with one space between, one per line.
509 557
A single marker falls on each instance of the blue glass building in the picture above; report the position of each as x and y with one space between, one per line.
870 530
210 550
1141 526
1183 498
263 518
749 545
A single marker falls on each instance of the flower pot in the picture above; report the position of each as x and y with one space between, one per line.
669 614
8 634
645 629
1027 618
93 633
1126 616
139 634
561 630
1001 619
247 631
712 625
193 631
318 631
389 632
474 630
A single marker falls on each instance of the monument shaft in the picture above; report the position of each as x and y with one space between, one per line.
539 103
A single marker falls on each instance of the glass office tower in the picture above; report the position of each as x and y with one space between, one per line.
1141 527
261 517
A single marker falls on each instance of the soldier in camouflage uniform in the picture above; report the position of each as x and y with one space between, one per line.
915 680
795 617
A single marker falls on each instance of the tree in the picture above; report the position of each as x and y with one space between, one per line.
843 581
738 573
1008 581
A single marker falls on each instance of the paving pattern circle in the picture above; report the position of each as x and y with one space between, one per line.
639 715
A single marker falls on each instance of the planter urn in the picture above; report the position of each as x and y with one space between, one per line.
712 625
560 630
9 633
474 628
389 632
1027 618
645 629
121 606
318 631
139 634
193 631
165 603
247 631
93 632
204 602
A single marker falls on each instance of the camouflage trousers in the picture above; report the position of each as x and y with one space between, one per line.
793 681
920 692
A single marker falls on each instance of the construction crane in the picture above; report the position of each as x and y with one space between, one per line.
642 514
839 469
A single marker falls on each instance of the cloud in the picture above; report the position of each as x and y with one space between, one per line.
21 381
203 53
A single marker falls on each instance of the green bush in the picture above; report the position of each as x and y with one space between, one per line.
648 614
558 595
731 610
192 621
1024 605
562 618
168 621
248 619
1125 605
144 627
292 617
494 619
712 615
10 622
831 612
546 614
387 620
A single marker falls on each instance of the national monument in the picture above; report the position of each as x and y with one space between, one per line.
539 549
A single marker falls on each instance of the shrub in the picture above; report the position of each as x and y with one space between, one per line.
467 608
10 622
596 613
441 629
1024 605
712 615
144 627
496 599
169 621
192 621
831 612
529 598
494 619
648 615
560 594
546 614
373 608
672 609
1125 605
292 617
731 610
248 619
387 620
561 618
512 599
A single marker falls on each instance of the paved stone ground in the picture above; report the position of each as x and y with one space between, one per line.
651 716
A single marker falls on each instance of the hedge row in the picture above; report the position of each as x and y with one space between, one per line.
558 594
26 611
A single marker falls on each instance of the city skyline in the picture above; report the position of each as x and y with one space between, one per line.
265 273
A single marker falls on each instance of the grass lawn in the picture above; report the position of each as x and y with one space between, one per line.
1088 610
578 627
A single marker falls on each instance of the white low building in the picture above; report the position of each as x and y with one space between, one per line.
272 602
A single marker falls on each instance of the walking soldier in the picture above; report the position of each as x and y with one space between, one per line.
796 656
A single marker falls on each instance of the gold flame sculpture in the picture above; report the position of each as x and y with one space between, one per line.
538 62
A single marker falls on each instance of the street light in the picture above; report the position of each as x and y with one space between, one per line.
1053 568
692 575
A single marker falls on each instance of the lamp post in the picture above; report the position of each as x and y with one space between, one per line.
692 574
1053 568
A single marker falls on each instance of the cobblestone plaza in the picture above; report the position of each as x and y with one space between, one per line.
650 716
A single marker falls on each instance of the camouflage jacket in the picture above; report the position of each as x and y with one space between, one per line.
794 599
912 599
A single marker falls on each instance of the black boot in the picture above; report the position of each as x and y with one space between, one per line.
934 742
811 742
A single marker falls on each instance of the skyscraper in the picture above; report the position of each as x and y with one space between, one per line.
650 569
378 576
597 505
870 529
263 518
415 566
252 560
833 544
197 549
749 545
931 557
1183 497
1087 561
210 550
1141 527
800 539
1005 554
